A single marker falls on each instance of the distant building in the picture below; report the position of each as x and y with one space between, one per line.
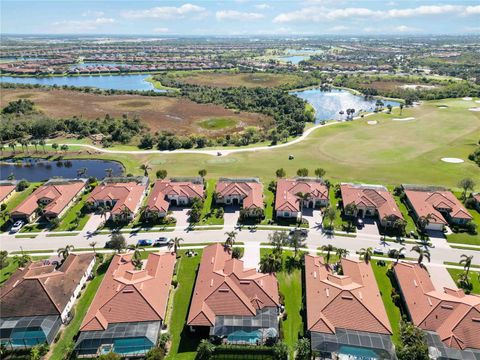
449 316
345 313
234 304
247 193
38 298
129 308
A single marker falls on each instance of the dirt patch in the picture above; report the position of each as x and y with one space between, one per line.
178 115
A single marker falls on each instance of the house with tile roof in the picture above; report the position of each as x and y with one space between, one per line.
122 196
371 201
345 310
37 299
175 192
476 199
52 199
247 193
287 202
129 308
439 205
7 190
235 304
450 317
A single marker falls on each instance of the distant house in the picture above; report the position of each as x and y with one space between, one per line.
38 298
346 311
52 199
7 189
173 192
235 304
476 198
247 193
122 196
129 308
287 203
440 206
371 201
450 318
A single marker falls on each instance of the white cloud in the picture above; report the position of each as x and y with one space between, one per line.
165 12
238 15
424 10
79 26
91 13
339 28
263 6
160 30
472 10
405 29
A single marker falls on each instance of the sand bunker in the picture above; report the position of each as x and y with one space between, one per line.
404 119
452 160
442 107
477 101
372 122
475 109
467 98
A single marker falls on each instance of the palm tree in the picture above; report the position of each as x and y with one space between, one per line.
137 256
423 221
397 254
422 253
175 244
270 263
301 198
401 108
2 147
464 280
12 144
342 253
103 212
230 241
35 144
92 245
109 172
278 239
22 260
297 242
330 214
466 261
328 248
125 213
24 144
351 211
65 251
82 171
146 168
42 143
366 254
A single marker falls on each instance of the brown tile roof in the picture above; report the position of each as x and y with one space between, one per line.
39 289
250 191
427 202
224 287
162 188
126 194
6 190
286 198
129 295
60 195
350 301
452 314
371 196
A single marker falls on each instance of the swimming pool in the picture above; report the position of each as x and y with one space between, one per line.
241 336
357 353
132 346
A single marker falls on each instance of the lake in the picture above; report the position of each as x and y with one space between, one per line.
115 82
294 59
34 169
328 104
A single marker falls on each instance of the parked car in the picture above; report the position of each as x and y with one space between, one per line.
297 231
16 226
378 251
145 242
161 241
360 223
392 253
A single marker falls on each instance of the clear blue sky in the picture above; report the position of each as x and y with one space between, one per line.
240 17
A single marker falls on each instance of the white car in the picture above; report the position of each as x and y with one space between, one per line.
16 226
378 251
161 241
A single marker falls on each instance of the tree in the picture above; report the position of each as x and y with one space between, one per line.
303 350
466 184
280 173
117 242
155 353
328 248
4 259
280 351
296 241
109 356
161 174
270 263
22 260
278 239
422 253
466 261
137 256
55 146
82 171
202 172
64 148
65 251
42 143
397 253
230 241
109 172
205 350
350 210
92 245
366 254
423 221
303 172
301 198
401 108
342 253
24 143
320 173
35 144
146 168
330 214
389 107
414 345
175 244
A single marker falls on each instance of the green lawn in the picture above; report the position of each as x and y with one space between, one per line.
16 199
68 221
465 238
473 278
340 222
7 271
385 287
411 226
269 198
209 209
184 344
217 123
58 350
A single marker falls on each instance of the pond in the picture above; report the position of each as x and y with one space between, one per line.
36 169
294 59
115 82
328 104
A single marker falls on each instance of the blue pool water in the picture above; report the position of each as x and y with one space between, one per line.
115 82
132 346
244 336
358 352
328 104
27 337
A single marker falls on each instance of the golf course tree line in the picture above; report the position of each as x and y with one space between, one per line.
475 155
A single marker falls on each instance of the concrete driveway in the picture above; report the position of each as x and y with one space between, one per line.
440 277
231 215
251 255
93 223
370 227
314 218
181 215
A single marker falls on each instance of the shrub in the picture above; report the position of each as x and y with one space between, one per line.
174 283
164 339
155 353
280 351
237 253
205 350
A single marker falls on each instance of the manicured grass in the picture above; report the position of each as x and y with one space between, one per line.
68 221
269 198
16 199
58 350
8 270
455 273
457 264
385 287
466 238
411 226
340 222
217 123
184 343
209 210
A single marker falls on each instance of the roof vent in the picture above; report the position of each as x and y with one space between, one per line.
447 307
128 291
347 297
360 295
118 287
224 290
476 319
415 283
244 282
327 291
213 259
430 301
16 283
314 274
211 282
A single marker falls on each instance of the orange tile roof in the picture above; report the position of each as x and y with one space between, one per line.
428 202
286 198
59 194
452 314
129 295
162 188
351 301
250 191
126 194
6 190
371 196
224 287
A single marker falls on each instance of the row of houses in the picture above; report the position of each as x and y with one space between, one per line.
435 207
345 314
